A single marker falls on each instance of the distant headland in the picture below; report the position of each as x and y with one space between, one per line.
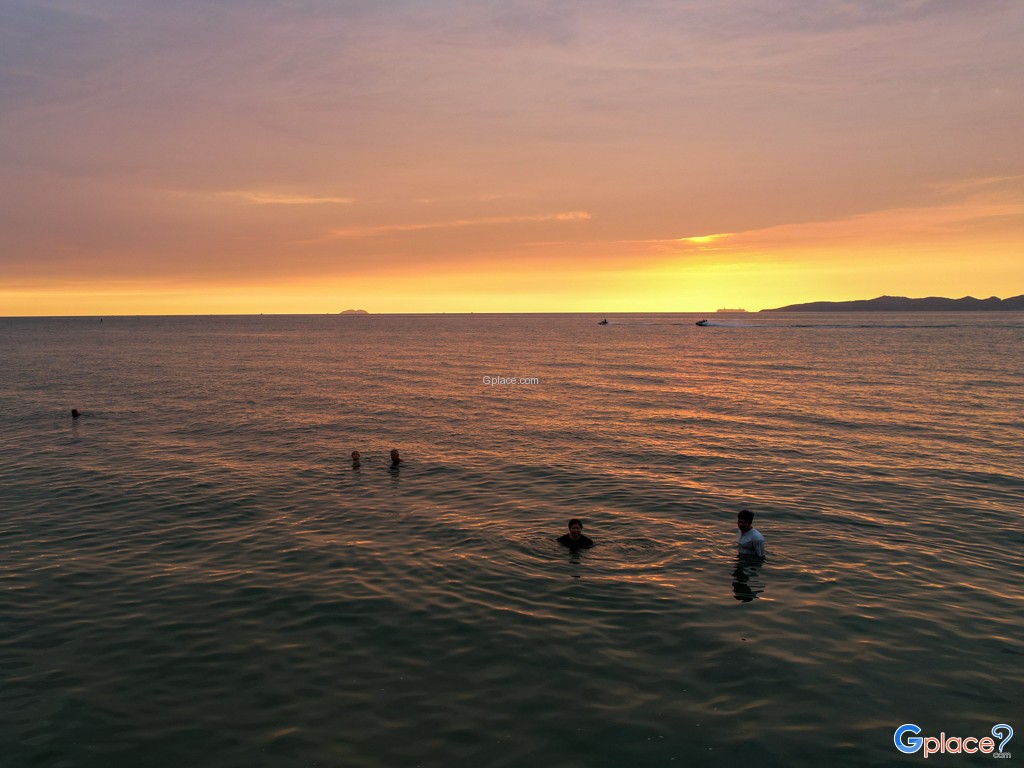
354 312
903 304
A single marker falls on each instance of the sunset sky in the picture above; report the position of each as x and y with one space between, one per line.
468 155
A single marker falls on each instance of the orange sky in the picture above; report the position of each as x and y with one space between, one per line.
164 158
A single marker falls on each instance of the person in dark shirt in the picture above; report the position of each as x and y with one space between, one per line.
575 539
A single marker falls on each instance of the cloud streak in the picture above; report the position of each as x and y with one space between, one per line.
485 221
274 198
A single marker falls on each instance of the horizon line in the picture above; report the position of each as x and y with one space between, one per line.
438 314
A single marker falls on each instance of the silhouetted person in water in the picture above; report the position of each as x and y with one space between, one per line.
575 539
355 459
395 458
74 413
749 540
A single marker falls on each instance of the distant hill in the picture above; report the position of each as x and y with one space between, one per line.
903 304
354 312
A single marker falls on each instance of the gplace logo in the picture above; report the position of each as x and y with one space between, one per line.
951 745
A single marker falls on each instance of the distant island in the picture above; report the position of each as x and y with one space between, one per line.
903 304
354 312
730 310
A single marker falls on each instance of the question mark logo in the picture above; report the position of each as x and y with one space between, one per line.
997 731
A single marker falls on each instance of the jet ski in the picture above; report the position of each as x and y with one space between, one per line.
602 322
702 322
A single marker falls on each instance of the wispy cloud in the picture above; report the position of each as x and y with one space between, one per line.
276 198
975 184
898 224
373 231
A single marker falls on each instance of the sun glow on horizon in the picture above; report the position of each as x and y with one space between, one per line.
700 239
910 252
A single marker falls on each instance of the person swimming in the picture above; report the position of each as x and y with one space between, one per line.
396 459
575 539
355 459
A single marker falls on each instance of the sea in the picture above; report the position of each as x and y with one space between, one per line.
193 573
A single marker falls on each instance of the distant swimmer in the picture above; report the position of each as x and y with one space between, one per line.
749 540
395 458
355 459
74 413
575 539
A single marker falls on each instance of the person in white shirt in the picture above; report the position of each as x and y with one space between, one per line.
749 540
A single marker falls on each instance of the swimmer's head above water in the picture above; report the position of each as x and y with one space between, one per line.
395 458
355 457
575 539
745 520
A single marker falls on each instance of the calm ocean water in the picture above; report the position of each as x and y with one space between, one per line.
193 574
